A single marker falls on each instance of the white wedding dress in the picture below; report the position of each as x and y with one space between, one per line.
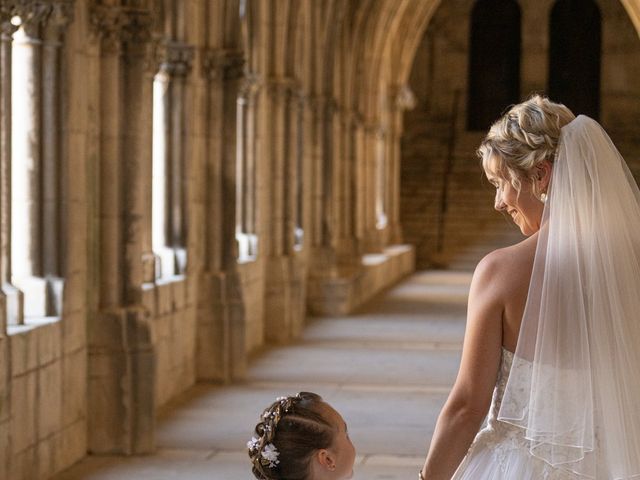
500 451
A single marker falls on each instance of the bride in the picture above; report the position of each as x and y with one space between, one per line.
552 345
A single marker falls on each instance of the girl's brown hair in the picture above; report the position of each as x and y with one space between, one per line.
294 427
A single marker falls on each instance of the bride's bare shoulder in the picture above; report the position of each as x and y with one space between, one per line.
509 265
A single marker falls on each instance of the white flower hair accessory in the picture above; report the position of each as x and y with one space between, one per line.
261 449
270 455
253 444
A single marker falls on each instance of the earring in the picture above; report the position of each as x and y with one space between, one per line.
543 197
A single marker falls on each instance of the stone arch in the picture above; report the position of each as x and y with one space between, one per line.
494 61
575 55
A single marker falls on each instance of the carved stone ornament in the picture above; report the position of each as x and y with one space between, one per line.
174 58
137 27
120 27
281 88
218 64
60 16
300 97
7 29
33 14
319 103
403 98
249 84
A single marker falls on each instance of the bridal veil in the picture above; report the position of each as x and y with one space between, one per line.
575 381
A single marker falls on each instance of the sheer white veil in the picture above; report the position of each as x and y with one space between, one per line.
575 381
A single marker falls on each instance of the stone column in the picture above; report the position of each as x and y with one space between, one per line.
335 265
318 107
121 393
278 302
136 131
402 99
26 164
344 168
9 303
221 350
174 59
370 242
394 155
11 311
361 200
348 244
53 33
284 301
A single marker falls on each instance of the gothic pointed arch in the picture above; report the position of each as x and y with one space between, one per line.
494 61
575 33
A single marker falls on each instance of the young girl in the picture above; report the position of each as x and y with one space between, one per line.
301 437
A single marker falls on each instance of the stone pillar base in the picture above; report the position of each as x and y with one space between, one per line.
121 383
285 309
341 295
221 348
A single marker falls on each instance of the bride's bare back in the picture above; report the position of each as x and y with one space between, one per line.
512 277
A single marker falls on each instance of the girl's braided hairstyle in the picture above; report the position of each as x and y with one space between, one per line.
290 430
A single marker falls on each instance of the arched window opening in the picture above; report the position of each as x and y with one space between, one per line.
32 174
168 201
245 174
160 211
494 61
574 55
246 116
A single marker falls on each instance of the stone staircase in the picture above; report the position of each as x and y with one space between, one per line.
470 227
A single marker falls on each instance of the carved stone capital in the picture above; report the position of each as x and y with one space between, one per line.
319 103
137 27
174 58
356 120
402 97
60 16
107 23
281 88
33 14
218 64
7 29
300 97
122 28
249 84
374 130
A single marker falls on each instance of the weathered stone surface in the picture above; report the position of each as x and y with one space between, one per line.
24 411
324 171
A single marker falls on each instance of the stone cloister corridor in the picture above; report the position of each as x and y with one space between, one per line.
205 202
388 369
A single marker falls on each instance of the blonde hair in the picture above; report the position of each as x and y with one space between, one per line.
522 139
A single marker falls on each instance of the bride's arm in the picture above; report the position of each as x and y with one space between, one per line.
470 398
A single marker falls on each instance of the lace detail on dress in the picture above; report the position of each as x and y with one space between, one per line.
500 436
506 443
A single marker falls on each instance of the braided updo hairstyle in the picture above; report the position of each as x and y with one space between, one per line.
523 138
290 430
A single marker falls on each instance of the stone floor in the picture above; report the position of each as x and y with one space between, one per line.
387 369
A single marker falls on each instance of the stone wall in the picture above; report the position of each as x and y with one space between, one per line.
127 339
129 336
